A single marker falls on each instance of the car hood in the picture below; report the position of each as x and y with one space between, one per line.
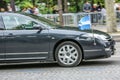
89 32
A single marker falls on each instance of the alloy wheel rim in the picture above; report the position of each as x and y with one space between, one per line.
68 54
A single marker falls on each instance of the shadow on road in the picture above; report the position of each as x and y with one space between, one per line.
99 63
55 65
33 65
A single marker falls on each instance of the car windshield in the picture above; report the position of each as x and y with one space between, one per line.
43 20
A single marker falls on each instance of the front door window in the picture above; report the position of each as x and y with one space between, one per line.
18 23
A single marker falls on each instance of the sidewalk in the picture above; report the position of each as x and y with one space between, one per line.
103 28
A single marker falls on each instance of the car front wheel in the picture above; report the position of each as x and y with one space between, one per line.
68 54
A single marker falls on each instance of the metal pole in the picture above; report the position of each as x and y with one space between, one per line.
12 3
65 6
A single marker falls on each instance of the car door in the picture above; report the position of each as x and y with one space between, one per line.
22 40
2 43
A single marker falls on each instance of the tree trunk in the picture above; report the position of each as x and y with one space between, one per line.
111 16
12 3
65 6
60 11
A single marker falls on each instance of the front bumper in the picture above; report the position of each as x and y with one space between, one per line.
110 49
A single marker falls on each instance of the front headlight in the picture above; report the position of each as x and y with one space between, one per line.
101 37
102 41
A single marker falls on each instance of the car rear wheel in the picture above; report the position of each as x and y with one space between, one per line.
68 54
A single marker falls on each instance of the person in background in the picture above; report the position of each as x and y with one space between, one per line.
31 10
94 9
36 10
99 7
103 12
94 15
24 10
115 6
9 8
118 12
87 7
2 10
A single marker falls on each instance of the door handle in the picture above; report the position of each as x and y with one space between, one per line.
10 34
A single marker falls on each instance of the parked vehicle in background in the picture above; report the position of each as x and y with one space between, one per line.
31 38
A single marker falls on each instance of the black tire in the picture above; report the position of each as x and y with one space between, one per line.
68 54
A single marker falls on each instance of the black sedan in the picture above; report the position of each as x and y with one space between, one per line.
29 38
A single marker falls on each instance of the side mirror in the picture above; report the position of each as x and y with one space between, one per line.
37 26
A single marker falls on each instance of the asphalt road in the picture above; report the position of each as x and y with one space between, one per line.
102 69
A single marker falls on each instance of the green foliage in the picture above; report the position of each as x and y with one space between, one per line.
101 1
25 4
7 0
72 9
117 1
48 4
